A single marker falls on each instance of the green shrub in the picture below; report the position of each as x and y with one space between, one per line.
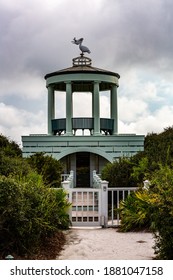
29 212
162 212
134 212
153 209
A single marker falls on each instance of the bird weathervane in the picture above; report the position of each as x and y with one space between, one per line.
81 47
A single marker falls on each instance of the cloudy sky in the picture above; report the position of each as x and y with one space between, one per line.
131 37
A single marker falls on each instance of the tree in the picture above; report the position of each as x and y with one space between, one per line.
9 148
13 166
140 170
118 173
11 161
50 168
158 148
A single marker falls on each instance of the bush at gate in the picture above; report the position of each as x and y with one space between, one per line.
29 212
153 209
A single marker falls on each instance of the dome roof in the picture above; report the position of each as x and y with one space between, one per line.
82 75
82 65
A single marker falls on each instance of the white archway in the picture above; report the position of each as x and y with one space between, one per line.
93 150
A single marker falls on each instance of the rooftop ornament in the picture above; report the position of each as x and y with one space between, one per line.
81 47
82 60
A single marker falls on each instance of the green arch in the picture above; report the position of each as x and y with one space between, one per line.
94 150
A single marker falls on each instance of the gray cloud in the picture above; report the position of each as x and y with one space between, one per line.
132 38
133 33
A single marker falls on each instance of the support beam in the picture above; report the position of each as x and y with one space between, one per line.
114 108
69 109
51 108
96 109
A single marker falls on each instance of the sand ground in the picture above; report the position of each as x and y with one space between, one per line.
107 244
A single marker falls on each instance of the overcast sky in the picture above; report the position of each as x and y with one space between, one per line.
131 37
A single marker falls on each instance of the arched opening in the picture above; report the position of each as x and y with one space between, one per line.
83 163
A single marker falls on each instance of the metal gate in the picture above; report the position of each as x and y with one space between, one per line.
86 206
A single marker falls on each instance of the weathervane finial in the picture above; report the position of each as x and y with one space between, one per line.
81 47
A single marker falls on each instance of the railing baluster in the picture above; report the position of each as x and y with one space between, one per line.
112 210
118 202
123 195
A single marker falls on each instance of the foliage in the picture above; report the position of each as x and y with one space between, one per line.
29 213
118 173
140 170
50 168
135 211
12 166
158 149
11 162
153 209
9 148
162 211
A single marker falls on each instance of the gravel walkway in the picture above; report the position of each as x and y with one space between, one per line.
107 244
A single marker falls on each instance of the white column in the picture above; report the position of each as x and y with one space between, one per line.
93 103
114 108
51 107
104 203
92 131
96 109
69 109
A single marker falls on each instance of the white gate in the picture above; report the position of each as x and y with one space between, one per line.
86 206
115 196
95 206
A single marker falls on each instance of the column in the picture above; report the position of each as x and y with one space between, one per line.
92 130
96 109
51 107
104 203
114 108
69 109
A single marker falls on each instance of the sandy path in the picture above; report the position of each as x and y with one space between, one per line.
107 244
